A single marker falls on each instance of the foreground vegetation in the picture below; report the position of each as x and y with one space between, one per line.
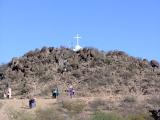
52 114
90 71
77 110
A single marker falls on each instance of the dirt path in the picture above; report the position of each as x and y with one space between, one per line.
22 104
3 115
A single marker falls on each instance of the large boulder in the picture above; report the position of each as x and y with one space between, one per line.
154 63
2 76
155 114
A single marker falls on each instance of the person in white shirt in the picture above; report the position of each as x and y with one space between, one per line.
7 92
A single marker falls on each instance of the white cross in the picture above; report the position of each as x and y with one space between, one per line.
77 37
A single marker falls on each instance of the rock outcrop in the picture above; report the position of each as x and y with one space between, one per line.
92 72
154 63
155 114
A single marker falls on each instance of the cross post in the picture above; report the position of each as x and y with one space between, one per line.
77 37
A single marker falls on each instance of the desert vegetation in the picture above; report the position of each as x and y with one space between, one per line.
76 110
1 105
113 72
132 83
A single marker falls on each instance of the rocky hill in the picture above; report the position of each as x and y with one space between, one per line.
90 71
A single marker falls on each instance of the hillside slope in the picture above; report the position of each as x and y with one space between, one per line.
91 72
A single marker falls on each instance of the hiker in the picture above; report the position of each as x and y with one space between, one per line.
7 92
71 91
32 103
55 92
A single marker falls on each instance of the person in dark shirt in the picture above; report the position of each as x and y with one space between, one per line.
32 103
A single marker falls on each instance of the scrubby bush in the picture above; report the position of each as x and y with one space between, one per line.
116 116
89 69
154 100
130 99
1 104
74 106
139 117
40 114
97 103
49 114
106 116
20 115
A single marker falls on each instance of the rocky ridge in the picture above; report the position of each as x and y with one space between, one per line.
92 72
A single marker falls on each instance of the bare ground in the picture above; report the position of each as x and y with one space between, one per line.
22 104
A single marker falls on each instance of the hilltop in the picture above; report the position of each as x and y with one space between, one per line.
92 72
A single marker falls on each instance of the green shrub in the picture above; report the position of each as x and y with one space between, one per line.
1 104
115 116
106 116
139 117
108 61
130 99
154 100
49 114
94 105
40 114
74 106
17 115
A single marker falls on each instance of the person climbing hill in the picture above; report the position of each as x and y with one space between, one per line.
55 92
7 92
71 91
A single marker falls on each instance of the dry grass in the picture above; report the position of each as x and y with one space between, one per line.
40 114
74 106
76 110
85 69
1 104
96 104
130 99
20 115
49 114
106 116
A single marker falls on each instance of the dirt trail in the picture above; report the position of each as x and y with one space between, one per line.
22 104
3 115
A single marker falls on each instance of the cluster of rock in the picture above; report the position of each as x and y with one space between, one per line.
155 114
92 72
